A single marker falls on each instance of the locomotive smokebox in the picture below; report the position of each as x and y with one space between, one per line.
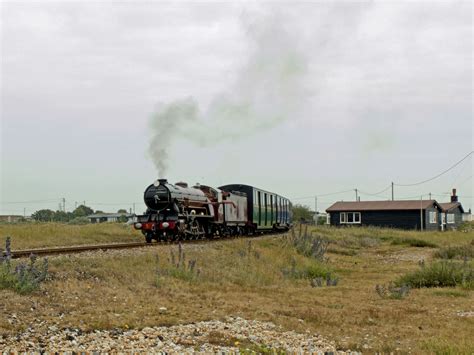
157 196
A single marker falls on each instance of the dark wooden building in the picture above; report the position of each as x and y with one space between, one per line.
410 214
452 213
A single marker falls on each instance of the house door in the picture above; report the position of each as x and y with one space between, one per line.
443 221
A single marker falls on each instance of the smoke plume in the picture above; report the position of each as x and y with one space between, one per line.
267 91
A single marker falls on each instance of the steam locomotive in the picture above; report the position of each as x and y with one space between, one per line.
179 212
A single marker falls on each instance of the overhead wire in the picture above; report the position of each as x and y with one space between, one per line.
34 201
440 174
323 195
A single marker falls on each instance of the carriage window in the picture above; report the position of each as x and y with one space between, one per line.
259 207
271 209
265 208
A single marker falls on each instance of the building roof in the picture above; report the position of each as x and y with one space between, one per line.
381 205
448 206
109 215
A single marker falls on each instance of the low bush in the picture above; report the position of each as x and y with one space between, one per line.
413 242
440 274
466 227
316 272
456 252
307 244
25 277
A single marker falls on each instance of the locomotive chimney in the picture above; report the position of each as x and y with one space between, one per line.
454 197
163 181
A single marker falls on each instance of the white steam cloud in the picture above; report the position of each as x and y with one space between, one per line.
269 89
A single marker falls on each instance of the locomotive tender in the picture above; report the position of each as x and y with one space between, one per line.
179 212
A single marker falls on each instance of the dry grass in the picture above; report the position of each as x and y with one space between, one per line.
118 289
39 235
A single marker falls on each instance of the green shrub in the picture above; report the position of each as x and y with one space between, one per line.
413 242
456 252
316 272
466 227
440 274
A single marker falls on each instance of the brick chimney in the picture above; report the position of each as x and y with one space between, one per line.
454 197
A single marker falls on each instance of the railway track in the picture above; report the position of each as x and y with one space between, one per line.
24 253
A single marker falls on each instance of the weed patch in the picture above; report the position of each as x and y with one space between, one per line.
392 291
306 244
456 252
413 242
440 274
318 274
25 277
451 293
177 268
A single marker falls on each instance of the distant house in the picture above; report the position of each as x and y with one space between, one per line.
110 217
410 214
10 218
467 216
452 213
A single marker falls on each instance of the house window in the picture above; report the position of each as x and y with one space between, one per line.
356 217
342 217
350 218
432 216
450 217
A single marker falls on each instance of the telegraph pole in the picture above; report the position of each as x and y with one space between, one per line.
64 204
357 196
134 208
316 210
430 195
421 212
392 190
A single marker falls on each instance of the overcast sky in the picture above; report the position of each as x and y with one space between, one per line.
324 97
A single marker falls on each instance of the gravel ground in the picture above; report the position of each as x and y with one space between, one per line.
230 336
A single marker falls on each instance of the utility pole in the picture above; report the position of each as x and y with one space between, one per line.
316 210
392 190
357 196
64 204
421 212
134 208
430 195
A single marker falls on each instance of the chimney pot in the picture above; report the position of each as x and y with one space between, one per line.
454 197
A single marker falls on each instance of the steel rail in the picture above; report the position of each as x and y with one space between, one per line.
15 254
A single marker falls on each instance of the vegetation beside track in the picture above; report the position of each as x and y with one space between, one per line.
42 235
269 278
